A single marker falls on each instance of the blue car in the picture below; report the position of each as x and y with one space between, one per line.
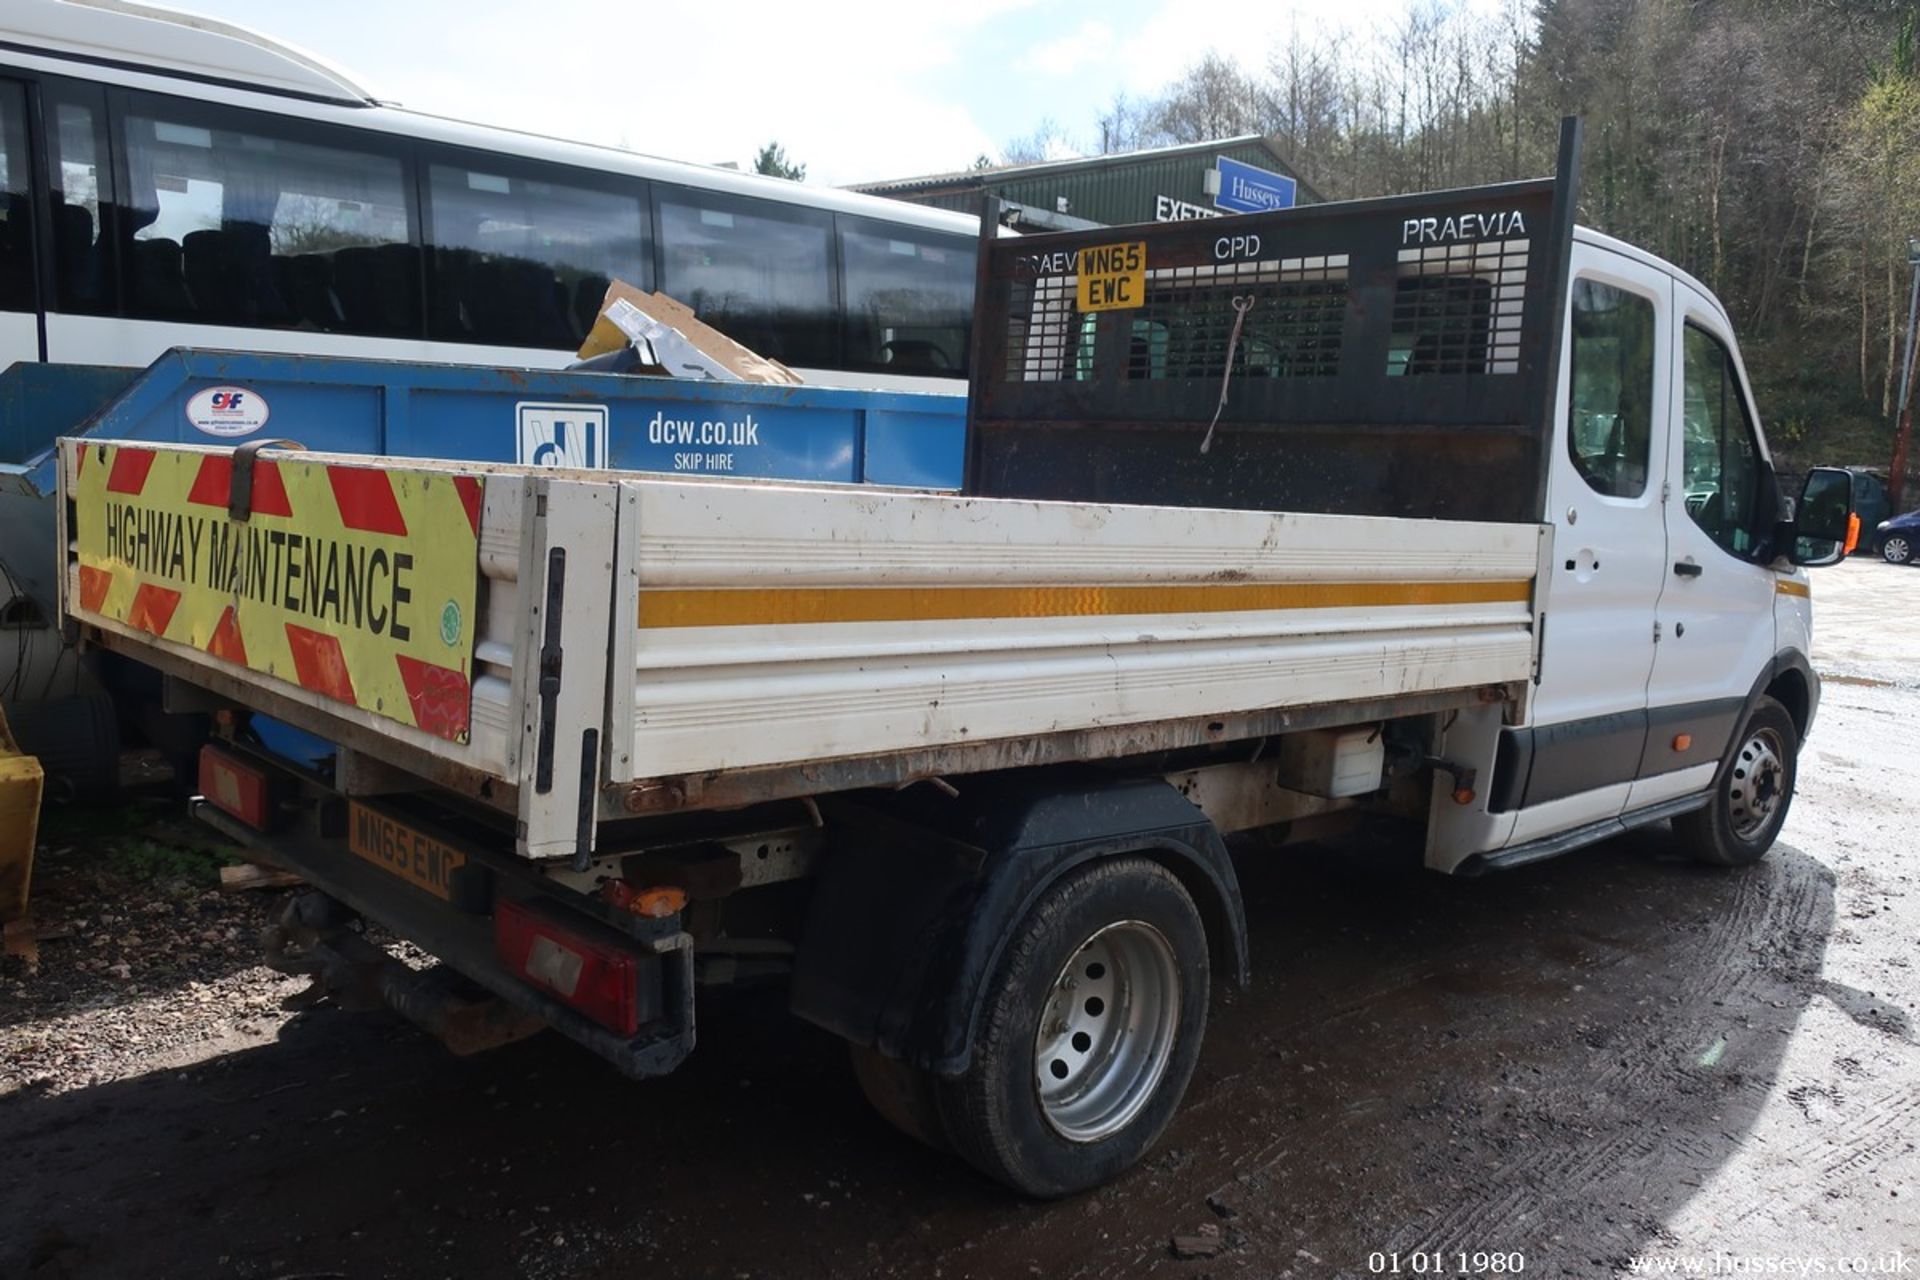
1898 540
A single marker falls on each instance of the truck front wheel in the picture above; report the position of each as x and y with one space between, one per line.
1089 1030
1751 794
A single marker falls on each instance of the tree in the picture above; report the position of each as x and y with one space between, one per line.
1769 147
1123 125
1876 194
772 160
1047 142
1213 99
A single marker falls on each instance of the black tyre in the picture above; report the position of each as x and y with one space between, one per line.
1751 794
903 1095
1897 548
1091 1025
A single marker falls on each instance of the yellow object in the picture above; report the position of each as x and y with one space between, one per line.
414 856
1113 277
699 607
351 581
658 903
21 783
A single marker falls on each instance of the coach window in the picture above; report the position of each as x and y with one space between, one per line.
82 205
523 261
909 300
16 227
235 223
1610 419
758 272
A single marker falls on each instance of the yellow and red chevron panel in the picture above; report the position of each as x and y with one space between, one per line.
351 580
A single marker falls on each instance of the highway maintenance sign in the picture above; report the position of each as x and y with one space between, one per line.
345 579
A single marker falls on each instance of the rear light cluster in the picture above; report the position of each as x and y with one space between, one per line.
235 788
599 980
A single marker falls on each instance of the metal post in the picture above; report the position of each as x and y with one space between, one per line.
1897 472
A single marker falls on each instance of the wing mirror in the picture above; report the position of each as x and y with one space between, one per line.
1823 524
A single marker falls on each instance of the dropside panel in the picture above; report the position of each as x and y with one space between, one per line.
345 584
789 624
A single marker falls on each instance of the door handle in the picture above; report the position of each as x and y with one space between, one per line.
1686 569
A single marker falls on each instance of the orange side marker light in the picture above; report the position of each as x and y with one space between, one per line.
654 903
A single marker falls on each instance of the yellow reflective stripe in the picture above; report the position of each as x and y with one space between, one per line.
1788 587
758 607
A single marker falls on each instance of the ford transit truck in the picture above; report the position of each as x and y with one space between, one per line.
1436 508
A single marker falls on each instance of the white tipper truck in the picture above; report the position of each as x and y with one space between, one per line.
1433 508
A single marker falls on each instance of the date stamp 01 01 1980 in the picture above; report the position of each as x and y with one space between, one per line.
1439 1262
1436 1262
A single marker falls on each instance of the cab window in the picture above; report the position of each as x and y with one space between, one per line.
1610 419
1720 456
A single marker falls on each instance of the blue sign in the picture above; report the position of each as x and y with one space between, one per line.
1245 189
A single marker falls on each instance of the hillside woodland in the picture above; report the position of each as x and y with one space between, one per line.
1770 147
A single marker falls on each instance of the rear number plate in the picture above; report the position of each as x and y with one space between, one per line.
414 856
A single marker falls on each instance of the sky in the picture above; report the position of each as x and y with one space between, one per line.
856 90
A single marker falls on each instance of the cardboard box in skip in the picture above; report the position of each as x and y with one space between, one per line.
673 342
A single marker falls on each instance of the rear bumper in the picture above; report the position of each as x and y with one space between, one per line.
463 937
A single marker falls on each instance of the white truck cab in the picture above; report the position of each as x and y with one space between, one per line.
1667 608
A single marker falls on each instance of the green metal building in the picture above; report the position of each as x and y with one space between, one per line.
1164 184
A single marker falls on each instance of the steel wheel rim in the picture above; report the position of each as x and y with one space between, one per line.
1757 783
1897 549
1107 1031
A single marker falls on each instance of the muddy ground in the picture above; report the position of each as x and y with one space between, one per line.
1614 1056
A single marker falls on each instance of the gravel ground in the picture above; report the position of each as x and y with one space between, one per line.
1611 1057
140 961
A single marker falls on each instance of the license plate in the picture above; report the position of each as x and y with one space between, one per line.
416 857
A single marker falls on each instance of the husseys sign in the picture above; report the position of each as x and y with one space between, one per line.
348 580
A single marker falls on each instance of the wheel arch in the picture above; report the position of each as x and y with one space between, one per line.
912 987
1790 681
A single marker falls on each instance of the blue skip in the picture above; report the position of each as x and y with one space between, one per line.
459 412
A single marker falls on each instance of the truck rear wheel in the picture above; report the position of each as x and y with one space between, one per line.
1751 794
1091 1025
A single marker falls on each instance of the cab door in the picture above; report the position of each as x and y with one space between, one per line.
1716 605
19 306
1581 754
